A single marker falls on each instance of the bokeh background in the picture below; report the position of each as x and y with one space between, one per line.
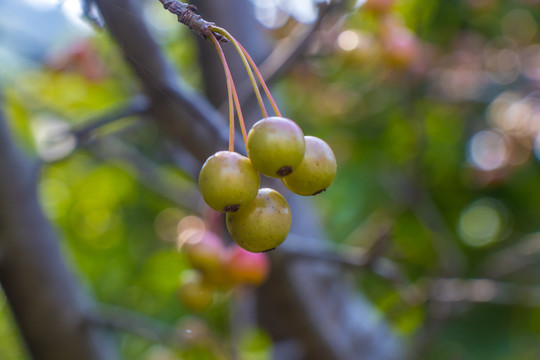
432 109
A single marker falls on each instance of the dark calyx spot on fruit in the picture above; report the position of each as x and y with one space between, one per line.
231 208
318 192
284 170
265 251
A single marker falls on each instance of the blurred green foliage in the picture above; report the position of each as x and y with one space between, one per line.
405 151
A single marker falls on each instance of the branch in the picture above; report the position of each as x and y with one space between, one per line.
443 294
359 259
47 304
285 53
177 337
513 258
484 291
412 194
288 50
182 193
354 258
137 106
187 16
183 115
88 12
116 318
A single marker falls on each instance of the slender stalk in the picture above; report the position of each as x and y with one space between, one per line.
230 85
238 48
261 80
239 111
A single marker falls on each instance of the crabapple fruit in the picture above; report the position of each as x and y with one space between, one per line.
228 181
317 170
193 292
204 251
244 267
262 224
275 146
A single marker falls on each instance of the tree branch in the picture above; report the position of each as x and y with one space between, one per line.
182 336
183 115
137 106
484 291
285 53
116 318
88 12
182 193
187 15
411 193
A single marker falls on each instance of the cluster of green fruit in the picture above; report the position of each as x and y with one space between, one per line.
259 220
215 266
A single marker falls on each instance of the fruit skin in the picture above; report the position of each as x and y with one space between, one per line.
244 267
228 181
316 172
261 225
204 251
275 146
219 279
193 292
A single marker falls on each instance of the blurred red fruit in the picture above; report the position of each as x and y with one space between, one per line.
244 267
400 46
80 57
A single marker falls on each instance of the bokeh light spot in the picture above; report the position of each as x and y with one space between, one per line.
53 193
480 223
53 138
188 228
502 63
488 150
348 40
519 25
269 15
166 223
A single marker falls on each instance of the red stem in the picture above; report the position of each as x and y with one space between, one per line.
261 80
230 86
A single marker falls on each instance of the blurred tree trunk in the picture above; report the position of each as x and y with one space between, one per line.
48 306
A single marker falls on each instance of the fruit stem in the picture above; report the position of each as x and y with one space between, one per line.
238 48
230 85
261 80
239 111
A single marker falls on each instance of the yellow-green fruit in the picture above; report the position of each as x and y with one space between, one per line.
317 170
193 292
228 181
204 251
275 146
261 225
